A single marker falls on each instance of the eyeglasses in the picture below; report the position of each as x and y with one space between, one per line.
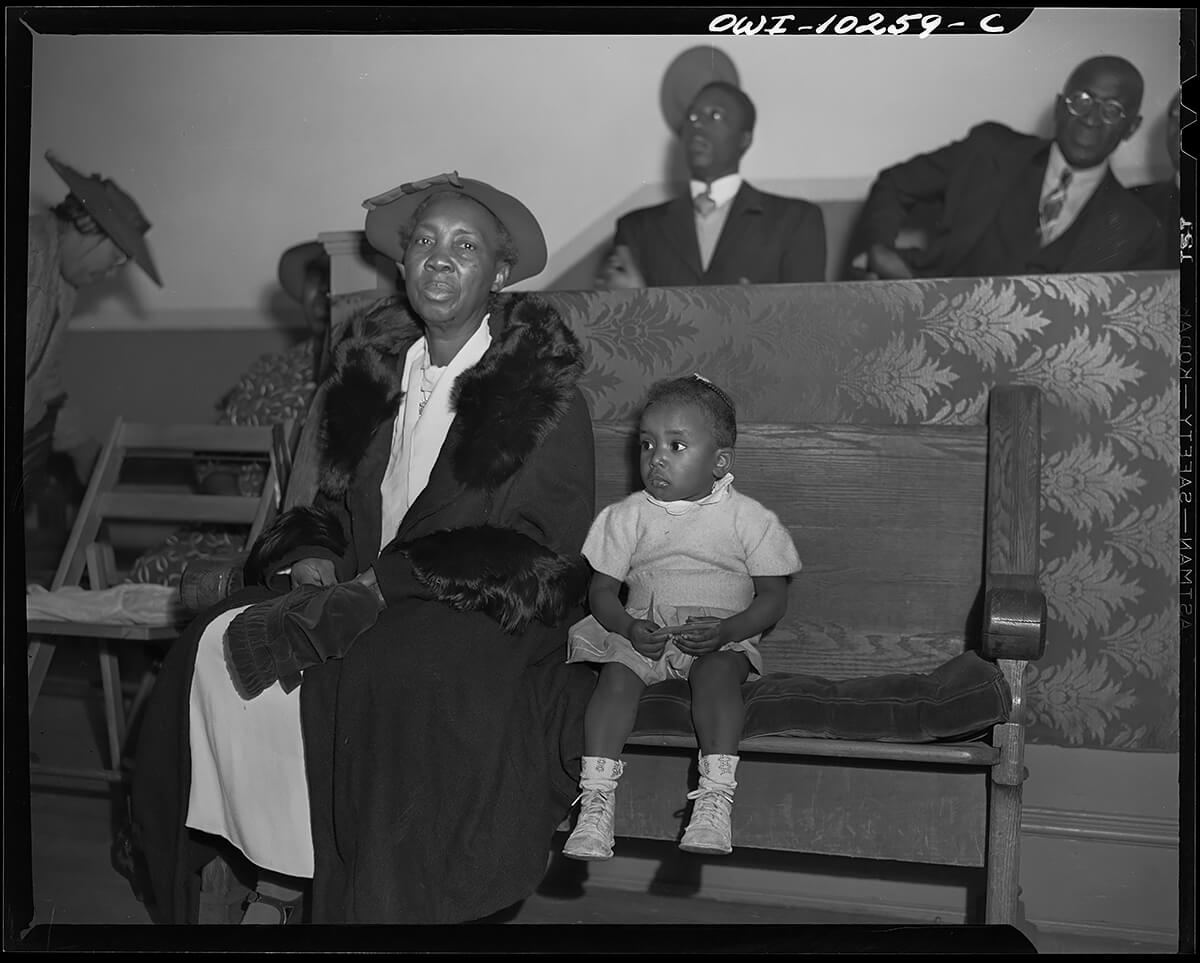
1081 104
706 113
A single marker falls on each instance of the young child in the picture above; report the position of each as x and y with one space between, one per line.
706 569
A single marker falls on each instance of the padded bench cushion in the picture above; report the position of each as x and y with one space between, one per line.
959 699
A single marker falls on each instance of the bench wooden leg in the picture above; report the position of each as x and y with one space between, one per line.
114 703
1004 862
1004 826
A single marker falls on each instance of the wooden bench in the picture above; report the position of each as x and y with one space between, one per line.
918 543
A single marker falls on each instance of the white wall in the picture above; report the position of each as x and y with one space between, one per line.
239 146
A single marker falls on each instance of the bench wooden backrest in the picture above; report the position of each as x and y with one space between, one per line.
889 523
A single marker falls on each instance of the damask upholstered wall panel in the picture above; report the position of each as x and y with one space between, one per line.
1104 351
1103 348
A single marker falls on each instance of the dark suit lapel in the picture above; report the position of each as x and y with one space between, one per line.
1098 230
986 187
679 233
742 229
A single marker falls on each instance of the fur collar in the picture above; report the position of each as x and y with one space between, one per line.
505 405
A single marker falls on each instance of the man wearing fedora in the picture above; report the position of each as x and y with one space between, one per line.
724 230
83 240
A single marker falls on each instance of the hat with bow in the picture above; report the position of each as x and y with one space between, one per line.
387 213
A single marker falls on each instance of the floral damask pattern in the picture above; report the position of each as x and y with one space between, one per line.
1103 349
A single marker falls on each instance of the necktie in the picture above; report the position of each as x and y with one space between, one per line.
1052 205
704 204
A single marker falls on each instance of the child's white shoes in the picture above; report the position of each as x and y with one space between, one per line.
593 834
709 830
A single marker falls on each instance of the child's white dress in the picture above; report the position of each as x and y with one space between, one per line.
681 559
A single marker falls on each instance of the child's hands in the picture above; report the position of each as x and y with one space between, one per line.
701 635
645 637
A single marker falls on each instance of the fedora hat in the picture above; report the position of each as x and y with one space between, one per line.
294 264
116 213
692 70
387 213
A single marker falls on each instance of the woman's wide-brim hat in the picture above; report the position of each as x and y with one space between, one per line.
387 213
295 263
116 213
688 73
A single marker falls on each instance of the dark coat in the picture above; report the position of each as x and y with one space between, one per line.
969 179
1162 198
442 750
766 239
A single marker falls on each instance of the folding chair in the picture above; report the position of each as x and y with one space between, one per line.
110 498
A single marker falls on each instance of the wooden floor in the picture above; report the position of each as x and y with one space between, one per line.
74 885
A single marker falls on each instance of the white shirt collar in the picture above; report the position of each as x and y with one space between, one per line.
474 347
1083 182
722 189
1083 185
417 437
719 490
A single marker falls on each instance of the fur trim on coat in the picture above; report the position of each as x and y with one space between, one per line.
502 573
302 526
506 404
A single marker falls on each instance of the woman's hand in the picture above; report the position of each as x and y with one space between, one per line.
643 634
313 571
368 579
884 262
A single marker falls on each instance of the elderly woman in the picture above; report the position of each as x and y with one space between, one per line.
419 770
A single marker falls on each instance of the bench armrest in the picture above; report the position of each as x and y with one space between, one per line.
205 582
1014 617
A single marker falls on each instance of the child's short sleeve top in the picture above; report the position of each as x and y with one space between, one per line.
708 547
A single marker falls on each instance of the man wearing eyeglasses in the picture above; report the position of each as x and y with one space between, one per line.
1000 202
724 231
87 238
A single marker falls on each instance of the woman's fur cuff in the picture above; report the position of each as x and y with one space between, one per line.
298 528
500 572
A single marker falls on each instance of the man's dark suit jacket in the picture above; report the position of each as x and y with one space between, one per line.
766 239
970 180
1162 197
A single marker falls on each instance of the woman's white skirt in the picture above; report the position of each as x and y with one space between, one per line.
248 780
